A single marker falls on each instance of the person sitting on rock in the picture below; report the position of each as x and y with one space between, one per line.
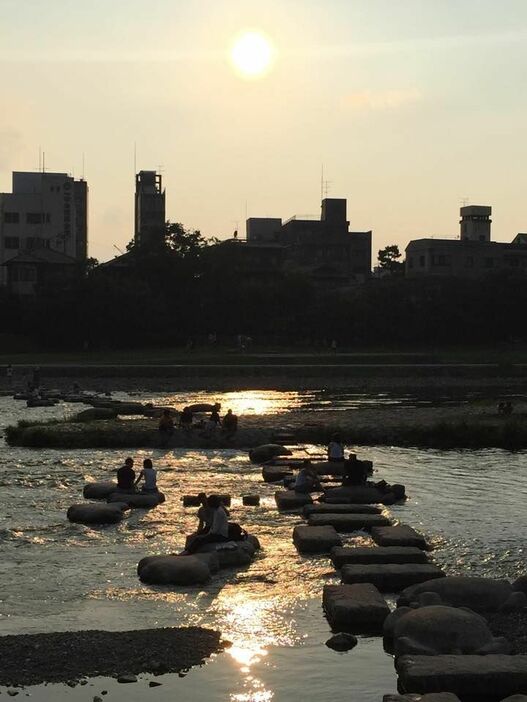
149 477
335 449
230 424
356 472
186 418
126 476
307 479
166 423
219 527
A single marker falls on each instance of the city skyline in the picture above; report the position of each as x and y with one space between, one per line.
404 108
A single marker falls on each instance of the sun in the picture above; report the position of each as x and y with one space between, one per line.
252 55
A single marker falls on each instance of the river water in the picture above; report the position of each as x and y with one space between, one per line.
58 576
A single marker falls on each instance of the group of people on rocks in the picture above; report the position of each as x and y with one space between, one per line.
228 424
355 471
127 481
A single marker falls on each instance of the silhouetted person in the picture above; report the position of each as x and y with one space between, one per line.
166 423
356 472
149 477
335 449
219 526
36 376
307 479
126 476
230 424
185 418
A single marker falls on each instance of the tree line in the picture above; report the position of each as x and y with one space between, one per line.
187 289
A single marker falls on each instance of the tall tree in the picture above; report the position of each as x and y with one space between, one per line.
389 259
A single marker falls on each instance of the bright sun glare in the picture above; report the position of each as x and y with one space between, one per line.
252 55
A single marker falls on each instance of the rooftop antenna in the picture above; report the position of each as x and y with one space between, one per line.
40 159
135 158
118 249
160 168
43 162
83 164
465 201
324 185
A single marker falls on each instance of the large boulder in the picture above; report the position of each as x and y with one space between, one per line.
145 500
266 452
99 491
473 677
289 499
478 594
88 513
439 630
275 474
173 570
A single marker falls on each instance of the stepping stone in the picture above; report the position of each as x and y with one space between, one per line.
391 577
173 570
251 500
324 508
89 513
289 499
99 491
349 522
320 539
275 474
401 535
475 677
359 608
433 697
380 554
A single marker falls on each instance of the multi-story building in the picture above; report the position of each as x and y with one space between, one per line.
149 208
323 248
473 255
44 211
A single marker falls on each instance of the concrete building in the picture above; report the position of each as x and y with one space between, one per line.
44 211
473 255
150 215
324 248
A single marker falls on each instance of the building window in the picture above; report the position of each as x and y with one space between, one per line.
489 263
469 262
11 242
36 242
11 217
422 261
23 274
410 262
441 260
38 218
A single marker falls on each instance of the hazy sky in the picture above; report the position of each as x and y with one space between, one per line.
412 106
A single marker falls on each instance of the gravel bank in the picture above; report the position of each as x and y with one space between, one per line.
31 659
513 626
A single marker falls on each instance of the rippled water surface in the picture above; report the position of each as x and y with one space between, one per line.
59 576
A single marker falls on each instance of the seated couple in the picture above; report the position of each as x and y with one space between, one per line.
127 481
213 527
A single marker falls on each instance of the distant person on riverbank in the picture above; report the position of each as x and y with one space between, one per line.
126 476
307 479
185 419
9 374
36 376
505 408
230 424
149 477
335 449
166 423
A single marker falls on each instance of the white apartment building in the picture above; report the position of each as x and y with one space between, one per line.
45 210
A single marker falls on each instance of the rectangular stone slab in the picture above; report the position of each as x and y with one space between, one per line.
358 608
320 539
324 508
377 554
400 535
391 577
495 676
289 499
349 522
